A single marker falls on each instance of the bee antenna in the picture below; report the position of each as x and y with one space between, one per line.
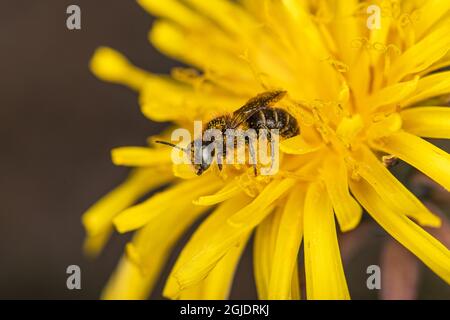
171 145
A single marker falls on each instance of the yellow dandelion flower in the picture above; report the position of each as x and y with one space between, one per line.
357 93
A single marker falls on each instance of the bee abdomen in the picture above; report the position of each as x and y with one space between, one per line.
275 118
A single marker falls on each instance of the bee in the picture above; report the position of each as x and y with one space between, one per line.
258 113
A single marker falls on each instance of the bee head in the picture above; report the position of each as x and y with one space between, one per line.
201 154
203 157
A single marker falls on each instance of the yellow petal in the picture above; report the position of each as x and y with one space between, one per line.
380 36
173 10
217 285
304 25
173 199
295 288
140 156
393 191
349 128
360 81
93 244
237 226
162 100
155 239
229 191
442 64
428 87
272 192
348 211
291 27
419 153
165 99
435 255
253 6
98 219
200 240
430 13
384 125
148 253
226 13
183 171
263 252
428 122
288 239
191 47
110 65
392 94
298 145
325 278
422 55
127 283
345 28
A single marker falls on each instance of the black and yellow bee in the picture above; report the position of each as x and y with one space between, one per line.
258 113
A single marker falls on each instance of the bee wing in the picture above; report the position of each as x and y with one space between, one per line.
254 105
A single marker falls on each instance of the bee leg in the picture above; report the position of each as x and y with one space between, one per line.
272 146
219 161
272 151
252 152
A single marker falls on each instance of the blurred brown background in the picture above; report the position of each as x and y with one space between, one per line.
57 125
